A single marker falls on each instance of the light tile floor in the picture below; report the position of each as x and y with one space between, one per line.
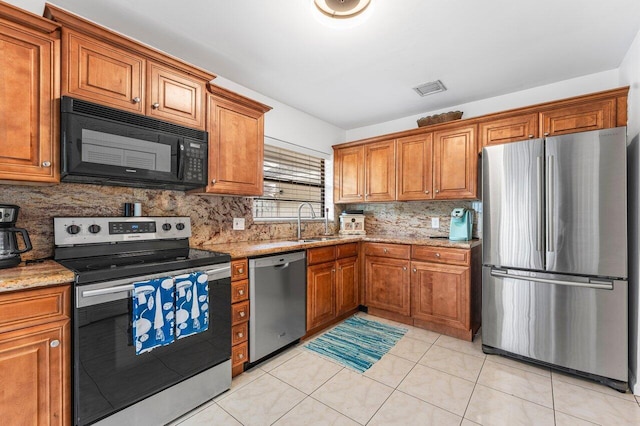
426 379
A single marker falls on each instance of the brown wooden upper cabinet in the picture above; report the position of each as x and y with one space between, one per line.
510 129
236 143
104 67
455 163
414 167
349 174
29 52
379 171
579 114
579 118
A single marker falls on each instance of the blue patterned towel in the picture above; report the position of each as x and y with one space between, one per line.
192 304
153 314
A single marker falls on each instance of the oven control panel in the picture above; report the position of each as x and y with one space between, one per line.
91 230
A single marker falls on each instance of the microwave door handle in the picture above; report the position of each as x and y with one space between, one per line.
181 160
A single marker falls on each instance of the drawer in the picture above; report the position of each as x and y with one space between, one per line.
239 269
347 250
25 308
239 291
447 255
398 251
321 255
239 312
239 333
239 354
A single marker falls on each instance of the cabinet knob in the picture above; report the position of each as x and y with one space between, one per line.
54 343
240 356
359 195
155 105
240 335
242 314
213 181
415 270
46 164
426 192
136 100
437 254
437 191
241 270
404 268
333 270
241 292
546 133
385 250
530 136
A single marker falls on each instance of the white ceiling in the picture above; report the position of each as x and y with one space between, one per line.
352 77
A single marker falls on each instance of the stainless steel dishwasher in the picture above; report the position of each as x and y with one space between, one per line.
278 289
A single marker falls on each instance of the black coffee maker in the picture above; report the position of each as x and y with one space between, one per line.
9 251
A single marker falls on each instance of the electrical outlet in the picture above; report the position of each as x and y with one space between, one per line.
435 222
238 223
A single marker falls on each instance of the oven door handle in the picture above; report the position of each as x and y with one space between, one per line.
107 290
216 274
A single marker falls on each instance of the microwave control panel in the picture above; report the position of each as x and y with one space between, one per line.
195 169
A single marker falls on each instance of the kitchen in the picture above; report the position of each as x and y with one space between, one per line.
211 216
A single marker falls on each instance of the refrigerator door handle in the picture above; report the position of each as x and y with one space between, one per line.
550 195
540 177
597 284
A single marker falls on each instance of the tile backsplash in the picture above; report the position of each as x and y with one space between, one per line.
211 216
412 218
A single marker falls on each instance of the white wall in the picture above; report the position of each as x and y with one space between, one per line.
630 75
564 89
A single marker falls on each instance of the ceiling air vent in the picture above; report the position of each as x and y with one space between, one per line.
430 88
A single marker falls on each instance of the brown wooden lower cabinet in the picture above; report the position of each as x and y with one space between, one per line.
437 288
35 363
239 315
333 286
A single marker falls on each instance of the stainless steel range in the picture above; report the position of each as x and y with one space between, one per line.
113 384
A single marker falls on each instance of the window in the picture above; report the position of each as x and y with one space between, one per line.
290 178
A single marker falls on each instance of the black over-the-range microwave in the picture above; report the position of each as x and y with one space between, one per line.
106 146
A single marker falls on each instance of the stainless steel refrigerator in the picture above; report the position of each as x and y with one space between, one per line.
554 278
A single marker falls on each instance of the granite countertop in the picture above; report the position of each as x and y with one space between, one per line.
264 247
33 275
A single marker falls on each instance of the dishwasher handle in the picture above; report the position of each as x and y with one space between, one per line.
282 266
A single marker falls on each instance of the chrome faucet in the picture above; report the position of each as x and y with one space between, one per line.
313 215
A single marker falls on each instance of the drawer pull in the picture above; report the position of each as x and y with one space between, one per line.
242 314
54 343
240 356
240 270
240 335
241 292
385 250
437 254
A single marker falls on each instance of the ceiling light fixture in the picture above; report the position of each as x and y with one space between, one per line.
430 88
341 9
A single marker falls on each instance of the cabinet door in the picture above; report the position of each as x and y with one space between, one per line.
175 96
28 119
440 294
414 167
380 171
349 175
102 73
387 284
347 293
510 129
455 164
321 297
579 118
35 373
236 149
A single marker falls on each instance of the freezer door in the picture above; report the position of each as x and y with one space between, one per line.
513 219
586 197
572 322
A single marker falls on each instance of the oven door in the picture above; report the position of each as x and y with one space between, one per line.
109 376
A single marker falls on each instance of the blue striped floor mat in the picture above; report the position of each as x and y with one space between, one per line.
357 343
